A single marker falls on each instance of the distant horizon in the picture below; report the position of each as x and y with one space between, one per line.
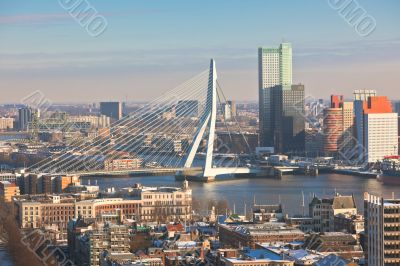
150 47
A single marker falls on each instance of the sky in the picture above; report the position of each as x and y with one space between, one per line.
149 47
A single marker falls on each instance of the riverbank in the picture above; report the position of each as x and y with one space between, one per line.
287 190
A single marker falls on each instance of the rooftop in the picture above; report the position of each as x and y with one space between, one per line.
263 229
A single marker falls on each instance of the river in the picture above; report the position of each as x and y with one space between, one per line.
287 190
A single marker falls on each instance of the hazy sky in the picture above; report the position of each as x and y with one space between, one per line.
149 47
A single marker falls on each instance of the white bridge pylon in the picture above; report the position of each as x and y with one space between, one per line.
208 120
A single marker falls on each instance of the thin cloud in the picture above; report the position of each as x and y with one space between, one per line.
32 18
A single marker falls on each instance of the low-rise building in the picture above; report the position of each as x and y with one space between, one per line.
162 204
247 235
339 243
323 211
257 257
122 164
349 223
266 213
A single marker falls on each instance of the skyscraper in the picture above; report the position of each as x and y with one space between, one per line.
288 120
274 68
26 115
377 129
112 110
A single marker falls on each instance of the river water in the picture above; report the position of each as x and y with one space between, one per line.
287 190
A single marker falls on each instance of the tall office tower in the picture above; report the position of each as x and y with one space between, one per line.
381 223
360 96
112 110
377 129
26 115
288 121
274 68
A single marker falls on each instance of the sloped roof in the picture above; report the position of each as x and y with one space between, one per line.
344 202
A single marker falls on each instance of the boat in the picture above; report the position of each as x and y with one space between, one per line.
390 168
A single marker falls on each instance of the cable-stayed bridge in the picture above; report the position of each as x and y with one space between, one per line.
163 136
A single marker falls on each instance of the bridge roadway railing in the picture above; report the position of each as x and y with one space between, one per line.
125 172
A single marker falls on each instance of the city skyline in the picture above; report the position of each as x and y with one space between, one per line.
45 49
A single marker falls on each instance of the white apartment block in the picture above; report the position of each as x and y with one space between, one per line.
381 136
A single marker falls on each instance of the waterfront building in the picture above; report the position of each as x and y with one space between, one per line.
376 129
236 142
267 213
6 123
333 128
381 136
274 68
8 191
247 235
339 129
382 231
122 164
323 211
288 121
163 204
112 110
42 183
314 142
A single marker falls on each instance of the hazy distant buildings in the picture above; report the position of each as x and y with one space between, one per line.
187 108
274 68
112 110
26 115
229 110
6 123
382 218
